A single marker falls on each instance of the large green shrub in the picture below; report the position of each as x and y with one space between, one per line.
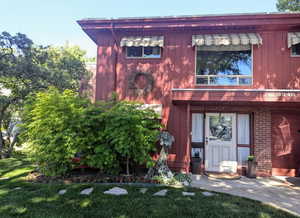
50 121
95 152
107 134
132 133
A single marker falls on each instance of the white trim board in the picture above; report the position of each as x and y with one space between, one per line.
237 90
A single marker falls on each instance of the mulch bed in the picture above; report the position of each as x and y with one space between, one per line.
87 177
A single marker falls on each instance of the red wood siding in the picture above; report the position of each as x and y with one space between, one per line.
105 77
177 125
273 68
285 143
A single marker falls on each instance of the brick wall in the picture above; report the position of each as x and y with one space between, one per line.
262 142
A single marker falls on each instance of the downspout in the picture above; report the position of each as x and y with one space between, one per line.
115 49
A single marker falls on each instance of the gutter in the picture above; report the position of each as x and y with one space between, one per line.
192 21
236 90
115 49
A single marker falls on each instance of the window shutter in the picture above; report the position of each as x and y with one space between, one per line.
197 127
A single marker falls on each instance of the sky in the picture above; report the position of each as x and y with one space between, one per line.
53 22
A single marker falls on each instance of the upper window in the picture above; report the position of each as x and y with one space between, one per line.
143 52
225 59
296 50
224 66
293 41
142 46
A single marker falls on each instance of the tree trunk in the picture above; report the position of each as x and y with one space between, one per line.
11 145
1 135
1 138
127 166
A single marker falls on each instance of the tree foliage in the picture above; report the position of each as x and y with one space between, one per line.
106 135
26 68
51 123
131 132
288 5
215 62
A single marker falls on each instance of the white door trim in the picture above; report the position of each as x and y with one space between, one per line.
220 155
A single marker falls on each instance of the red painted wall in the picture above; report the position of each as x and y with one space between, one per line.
273 68
285 143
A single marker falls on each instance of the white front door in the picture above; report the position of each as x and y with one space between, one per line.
220 142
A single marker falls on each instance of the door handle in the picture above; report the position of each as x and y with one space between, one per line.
206 140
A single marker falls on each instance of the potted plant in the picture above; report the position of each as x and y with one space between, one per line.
251 172
196 161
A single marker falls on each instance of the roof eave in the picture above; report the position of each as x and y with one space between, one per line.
260 19
239 21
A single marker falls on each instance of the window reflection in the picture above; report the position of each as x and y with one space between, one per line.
220 128
224 67
296 50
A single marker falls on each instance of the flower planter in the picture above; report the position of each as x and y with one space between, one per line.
196 165
251 171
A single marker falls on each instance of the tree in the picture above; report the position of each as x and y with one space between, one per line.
288 5
26 68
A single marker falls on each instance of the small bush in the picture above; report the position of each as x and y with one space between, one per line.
183 178
178 179
251 158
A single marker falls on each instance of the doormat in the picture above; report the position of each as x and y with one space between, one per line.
229 176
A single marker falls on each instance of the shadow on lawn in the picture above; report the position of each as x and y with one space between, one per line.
42 200
14 179
36 200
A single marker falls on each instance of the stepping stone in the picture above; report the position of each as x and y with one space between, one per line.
62 192
188 193
208 194
4 178
185 183
17 188
116 191
161 193
87 191
143 190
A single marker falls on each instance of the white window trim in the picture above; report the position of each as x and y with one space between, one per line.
237 76
143 57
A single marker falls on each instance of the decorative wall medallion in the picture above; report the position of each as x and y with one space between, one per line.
143 89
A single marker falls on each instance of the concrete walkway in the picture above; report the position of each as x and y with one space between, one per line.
277 192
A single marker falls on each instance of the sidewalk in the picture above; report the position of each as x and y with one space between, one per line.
278 192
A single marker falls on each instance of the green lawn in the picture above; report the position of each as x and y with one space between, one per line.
42 200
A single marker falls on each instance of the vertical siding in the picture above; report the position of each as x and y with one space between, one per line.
276 68
285 143
105 67
273 68
177 126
